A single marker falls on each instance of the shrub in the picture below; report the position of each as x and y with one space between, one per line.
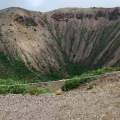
4 89
74 83
84 77
2 81
12 89
33 90
17 89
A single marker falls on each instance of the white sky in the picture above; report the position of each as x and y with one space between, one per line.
47 5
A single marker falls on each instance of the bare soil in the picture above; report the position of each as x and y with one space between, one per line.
100 103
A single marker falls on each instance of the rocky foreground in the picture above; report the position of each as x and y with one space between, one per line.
100 103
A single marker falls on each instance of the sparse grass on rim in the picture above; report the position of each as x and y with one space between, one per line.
17 87
85 77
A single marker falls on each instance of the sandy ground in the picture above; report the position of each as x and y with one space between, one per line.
100 103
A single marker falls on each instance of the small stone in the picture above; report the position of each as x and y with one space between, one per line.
59 92
103 115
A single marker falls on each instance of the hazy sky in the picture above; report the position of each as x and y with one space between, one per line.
47 5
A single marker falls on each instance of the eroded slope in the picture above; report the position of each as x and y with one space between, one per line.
90 37
61 40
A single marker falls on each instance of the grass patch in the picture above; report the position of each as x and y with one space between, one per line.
14 69
32 90
85 77
11 82
74 83
12 89
17 87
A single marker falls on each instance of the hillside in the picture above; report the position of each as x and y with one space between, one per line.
58 43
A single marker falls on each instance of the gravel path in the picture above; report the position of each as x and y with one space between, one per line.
100 103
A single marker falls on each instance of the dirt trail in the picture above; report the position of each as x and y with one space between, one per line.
100 103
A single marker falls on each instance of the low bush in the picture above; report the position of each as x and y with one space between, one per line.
4 89
74 83
17 89
32 90
90 75
12 89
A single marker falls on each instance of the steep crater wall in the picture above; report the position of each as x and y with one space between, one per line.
89 37
64 41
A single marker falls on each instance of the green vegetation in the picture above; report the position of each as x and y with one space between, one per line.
102 38
17 87
69 68
74 83
14 69
86 77
17 70
23 87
